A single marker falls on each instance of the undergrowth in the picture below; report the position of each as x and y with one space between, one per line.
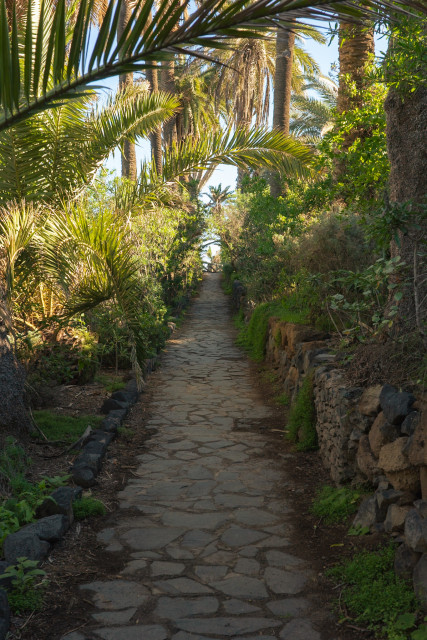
335 504
88 506
253 336
110 381
301 427
375 596
28 584
67 429
283 399
20 498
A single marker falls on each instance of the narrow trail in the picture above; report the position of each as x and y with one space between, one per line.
210 555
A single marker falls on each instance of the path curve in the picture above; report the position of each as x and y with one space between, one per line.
210 554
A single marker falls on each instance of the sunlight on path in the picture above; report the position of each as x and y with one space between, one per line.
209 555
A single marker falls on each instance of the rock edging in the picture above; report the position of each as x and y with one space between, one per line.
35 540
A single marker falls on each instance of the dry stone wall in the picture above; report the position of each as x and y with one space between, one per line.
364 434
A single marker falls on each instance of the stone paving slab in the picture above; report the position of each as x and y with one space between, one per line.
210 556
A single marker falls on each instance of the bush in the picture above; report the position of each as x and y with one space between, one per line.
301 427
253 336
335 504
334 241
72 359
87 507
373 593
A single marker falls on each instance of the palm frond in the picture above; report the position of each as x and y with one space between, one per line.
55 63
241 148
17 231
57 152
93 259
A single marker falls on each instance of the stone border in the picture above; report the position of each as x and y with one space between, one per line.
34 541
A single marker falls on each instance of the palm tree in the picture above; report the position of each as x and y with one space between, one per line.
128 155
247 75
311 117
58 152
195 158
284 73
218 196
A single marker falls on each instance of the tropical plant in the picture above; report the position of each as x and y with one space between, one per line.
218 196
312 116
56 153
248 149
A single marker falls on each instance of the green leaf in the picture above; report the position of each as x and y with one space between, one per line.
405 621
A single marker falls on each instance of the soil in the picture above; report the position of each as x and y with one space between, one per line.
79 557
402 364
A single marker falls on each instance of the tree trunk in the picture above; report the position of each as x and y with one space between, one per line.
126 80
156 136
167 78
356 48
14 418
406 146
285 44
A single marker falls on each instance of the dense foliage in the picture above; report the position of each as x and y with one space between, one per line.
323 247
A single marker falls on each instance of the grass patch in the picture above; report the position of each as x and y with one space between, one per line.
283 399
65 428
375 596
301 427
110 381
253 336
87 506
335 504
126 433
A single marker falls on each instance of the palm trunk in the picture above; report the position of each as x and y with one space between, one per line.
356 48
167 77
406 144
285 44
126 80
156 136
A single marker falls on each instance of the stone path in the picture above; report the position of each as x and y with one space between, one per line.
209 556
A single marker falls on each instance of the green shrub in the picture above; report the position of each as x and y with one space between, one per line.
335 504
28 582
13 459
283 399
65 428
87 507
374 595
301 427
253 336
26 496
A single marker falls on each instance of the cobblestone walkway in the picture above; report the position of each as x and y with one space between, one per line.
209 555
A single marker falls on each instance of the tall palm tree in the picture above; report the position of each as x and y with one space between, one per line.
128 155
248 74
286 54
217 196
